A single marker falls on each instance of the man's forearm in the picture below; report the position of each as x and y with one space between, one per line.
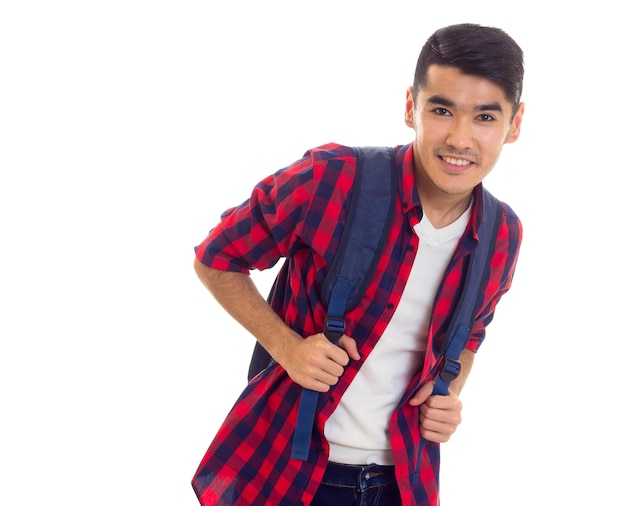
239 296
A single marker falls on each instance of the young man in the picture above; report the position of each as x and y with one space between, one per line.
375 408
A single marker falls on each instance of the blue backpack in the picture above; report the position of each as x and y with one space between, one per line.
367 225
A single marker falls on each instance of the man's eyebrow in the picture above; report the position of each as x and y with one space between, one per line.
439 100
494 106
444 102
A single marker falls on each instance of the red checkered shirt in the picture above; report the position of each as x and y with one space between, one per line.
298 214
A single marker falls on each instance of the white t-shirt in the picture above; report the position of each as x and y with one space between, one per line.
358 429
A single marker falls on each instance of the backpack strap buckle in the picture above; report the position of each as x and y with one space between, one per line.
450 369
334 328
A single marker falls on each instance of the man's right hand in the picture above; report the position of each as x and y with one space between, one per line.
316 363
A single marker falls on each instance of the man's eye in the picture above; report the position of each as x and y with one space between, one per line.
486 117
441 111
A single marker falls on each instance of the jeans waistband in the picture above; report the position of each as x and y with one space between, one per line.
360 477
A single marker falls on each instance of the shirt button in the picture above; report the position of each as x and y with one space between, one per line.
332 399
320 451
390 306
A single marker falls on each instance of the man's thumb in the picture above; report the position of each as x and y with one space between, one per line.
350 347
422 394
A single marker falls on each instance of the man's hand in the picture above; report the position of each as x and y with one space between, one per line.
440 415
316 363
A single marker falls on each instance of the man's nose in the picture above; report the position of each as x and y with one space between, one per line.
460 135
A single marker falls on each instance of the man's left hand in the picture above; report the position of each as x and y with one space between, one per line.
440 415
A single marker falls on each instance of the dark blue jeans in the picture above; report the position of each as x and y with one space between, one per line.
347 485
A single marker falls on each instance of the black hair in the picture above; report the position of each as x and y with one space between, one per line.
475 50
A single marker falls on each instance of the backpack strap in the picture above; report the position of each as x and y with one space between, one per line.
365 231
369 218
461 324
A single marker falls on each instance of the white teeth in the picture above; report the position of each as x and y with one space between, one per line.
455 161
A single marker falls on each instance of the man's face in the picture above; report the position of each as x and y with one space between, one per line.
461 123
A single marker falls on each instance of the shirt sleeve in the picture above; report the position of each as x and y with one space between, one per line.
264 228
501 273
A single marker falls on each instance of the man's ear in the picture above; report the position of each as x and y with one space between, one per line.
516 125
409 108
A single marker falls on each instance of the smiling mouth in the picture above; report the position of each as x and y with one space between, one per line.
456 161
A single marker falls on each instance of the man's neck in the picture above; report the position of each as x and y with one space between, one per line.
442 212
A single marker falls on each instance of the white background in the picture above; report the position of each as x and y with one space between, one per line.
127 127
